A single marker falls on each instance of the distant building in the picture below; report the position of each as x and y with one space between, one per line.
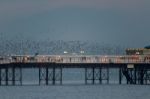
138 51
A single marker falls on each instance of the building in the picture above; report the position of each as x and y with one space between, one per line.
138 51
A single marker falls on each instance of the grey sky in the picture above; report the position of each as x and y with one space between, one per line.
125 22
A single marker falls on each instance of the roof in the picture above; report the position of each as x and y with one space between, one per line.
147 47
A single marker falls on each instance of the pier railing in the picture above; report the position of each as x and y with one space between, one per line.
76 59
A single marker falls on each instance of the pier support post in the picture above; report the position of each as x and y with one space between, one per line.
107 75
147 76
54 76
120 76
96 75
135 75
43 75
57 75
0 78
39 75
131 75
141 76
93 75
100 75
46 75
21 76
50 75
61 75
85 75
13 76
89 75
6 71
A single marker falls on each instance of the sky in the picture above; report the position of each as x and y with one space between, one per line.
122 22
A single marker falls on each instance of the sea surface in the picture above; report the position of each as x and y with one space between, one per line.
73 88
76 92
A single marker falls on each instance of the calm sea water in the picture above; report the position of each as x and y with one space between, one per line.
76 92
74 88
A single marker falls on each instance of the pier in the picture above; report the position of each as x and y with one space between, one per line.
134 68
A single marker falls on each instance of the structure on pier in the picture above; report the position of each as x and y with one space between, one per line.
138 51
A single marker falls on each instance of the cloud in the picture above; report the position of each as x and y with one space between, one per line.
118 17
23 7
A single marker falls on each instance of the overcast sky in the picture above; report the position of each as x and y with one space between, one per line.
125 22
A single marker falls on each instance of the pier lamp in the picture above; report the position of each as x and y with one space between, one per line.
82 52
65 52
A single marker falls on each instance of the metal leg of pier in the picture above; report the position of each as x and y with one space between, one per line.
93 75
20 76
3 76
54 76
107 75
13 76
145 78
42 75
125 72
10 76
57 75
61 75
100 75
46 75
50 75
39 75
6 71
120 76
89 75
135 75
130 76
131 73
141 76
85 75
0 78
